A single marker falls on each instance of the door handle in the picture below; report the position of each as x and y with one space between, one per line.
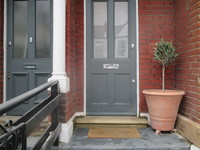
132 45
8 75
133 80
31 40
9 43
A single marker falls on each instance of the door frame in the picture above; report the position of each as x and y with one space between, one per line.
137 57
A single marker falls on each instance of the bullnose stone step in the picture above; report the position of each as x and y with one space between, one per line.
114 121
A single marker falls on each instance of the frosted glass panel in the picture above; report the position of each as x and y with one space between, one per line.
20 29
121 29
100 29
43 28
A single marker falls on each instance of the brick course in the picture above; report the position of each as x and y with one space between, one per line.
187 38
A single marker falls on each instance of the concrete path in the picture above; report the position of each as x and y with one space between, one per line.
149 141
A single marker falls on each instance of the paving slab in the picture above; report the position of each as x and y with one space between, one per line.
148 141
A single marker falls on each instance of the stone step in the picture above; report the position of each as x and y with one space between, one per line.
148 141
111 121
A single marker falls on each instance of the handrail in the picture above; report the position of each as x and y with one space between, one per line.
10 104
15 136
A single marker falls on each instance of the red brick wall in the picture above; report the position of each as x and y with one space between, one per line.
72 102
187 27
1 48
67 108
156 21
79 40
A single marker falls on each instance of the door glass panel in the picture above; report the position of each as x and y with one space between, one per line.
20 29
43 28
100 29
121 29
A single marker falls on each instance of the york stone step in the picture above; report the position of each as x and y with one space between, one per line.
110 121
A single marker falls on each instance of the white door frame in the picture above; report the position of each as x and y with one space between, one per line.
137 56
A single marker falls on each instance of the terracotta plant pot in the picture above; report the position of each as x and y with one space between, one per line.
163 107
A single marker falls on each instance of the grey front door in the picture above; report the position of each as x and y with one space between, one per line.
29 54
111 57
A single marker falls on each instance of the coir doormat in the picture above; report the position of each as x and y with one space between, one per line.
100 132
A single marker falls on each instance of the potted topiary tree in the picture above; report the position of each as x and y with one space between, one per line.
163 104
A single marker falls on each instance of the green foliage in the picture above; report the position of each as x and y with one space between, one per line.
164 52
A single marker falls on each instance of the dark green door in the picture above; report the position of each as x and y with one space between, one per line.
111 57
29 50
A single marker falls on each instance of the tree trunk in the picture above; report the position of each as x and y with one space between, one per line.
163 78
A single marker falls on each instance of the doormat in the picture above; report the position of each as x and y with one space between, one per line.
99 132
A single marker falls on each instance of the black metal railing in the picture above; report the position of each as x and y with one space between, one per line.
13 136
